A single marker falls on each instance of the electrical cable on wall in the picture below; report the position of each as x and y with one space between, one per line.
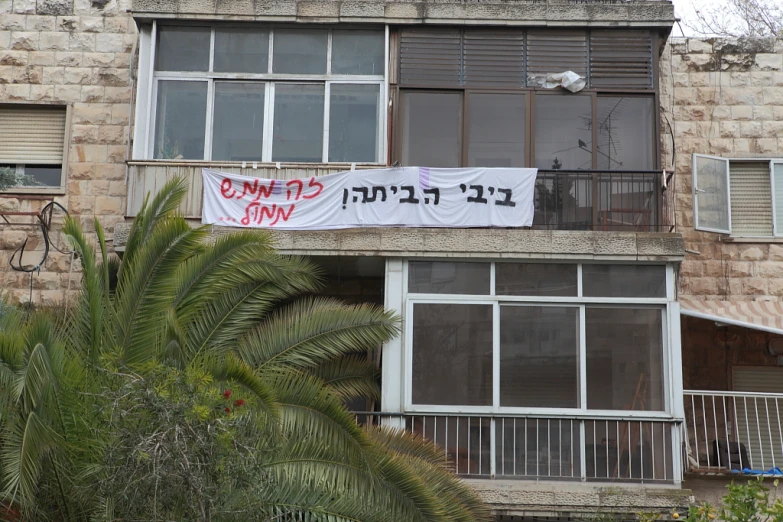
46 227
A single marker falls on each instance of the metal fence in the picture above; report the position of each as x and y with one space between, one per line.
556 448
638 201
603 200
733 430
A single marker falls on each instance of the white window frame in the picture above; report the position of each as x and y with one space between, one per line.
694 183
149 79
49 189
776 233
663 304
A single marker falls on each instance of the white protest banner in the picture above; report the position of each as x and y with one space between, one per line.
392 197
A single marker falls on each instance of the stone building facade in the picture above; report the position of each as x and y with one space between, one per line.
717 98
74 55
723 98
722 122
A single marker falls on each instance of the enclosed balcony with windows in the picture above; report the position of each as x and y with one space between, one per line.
557 371
280 102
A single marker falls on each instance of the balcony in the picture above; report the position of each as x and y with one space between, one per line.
579 448
564 200
726 431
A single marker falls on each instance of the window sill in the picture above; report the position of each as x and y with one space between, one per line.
751 239
34 193
250 164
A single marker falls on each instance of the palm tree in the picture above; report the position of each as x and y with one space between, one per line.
115 412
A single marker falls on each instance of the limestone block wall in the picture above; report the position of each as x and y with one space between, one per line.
722 97
79 53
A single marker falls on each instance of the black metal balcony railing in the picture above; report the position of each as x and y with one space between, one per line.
634 201
602 200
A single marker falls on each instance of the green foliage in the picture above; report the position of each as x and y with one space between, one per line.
193 381
10 179
746 502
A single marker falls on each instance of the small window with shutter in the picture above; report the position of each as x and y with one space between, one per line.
32 146
751 198
741 197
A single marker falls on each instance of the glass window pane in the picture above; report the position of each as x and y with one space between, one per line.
357 52
624 359
452 354
238 122
241 50
711 193
538 356
182 49
563 132
299 51
353 122
299 123
431 129
535 279
625 133
181 115
623 281
45 175
436 277
496 130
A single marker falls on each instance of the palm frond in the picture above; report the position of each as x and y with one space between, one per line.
407 443
225 317
201 272
315 330
457 501
230 368
350 377
89 323
165 202
146 286
309 410
27 441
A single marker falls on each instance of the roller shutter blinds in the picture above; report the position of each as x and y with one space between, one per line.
758 423
751 198
621 59
494 57
555 52
32 135
503 57
431 57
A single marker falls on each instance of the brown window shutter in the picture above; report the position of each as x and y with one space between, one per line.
494 57
550 52
430 57
621 59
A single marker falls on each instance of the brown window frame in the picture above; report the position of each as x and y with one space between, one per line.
397 88
530 128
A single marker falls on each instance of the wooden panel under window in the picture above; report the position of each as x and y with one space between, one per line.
550 52
32 135
751 198
494 58
431 57
621 59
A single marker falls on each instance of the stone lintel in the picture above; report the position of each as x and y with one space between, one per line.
472 243
557 13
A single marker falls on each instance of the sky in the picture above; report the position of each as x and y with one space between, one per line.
685 9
